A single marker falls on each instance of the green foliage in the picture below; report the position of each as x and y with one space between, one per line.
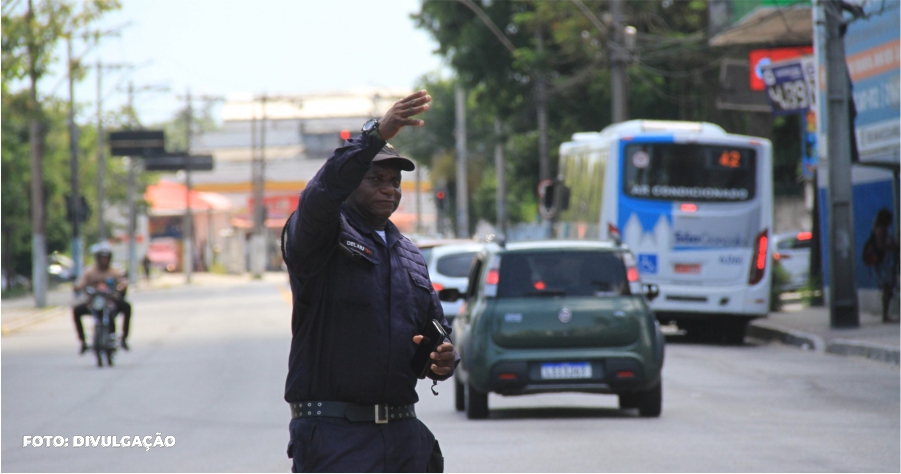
673 75
779 279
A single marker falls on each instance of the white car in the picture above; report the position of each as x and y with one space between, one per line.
792 251
448 265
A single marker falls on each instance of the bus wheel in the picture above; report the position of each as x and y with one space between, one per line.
733 332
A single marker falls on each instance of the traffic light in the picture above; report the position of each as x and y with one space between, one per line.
441 199
344 135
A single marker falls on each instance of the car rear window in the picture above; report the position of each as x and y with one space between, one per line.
426 254
566 273
455 265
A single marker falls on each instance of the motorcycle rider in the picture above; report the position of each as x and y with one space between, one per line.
96 275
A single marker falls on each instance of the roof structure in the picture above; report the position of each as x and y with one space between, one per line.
770 26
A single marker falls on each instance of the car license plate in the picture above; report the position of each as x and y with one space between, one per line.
691 268
570 370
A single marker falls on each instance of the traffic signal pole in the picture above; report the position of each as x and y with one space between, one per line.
462 198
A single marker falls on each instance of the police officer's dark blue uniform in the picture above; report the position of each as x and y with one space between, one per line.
359 301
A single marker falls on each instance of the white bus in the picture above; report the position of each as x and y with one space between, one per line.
692 202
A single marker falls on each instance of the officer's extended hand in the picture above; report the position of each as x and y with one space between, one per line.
443 357
398 116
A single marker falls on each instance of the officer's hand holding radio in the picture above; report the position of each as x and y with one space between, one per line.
443 357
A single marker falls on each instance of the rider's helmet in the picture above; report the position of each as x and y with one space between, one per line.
102 249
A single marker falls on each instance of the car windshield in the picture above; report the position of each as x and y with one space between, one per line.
562 273
455 265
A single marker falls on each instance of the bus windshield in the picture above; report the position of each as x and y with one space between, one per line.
681 172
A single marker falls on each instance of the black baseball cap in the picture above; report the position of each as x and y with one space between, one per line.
388 153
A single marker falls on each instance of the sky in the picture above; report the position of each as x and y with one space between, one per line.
223 47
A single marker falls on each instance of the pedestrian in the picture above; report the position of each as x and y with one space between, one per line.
146 264
361 298
881 252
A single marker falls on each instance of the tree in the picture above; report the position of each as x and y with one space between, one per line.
494 49
28 45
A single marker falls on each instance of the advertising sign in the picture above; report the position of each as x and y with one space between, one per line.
759 58
873 55
790 85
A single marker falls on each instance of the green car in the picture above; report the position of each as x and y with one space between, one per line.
557 316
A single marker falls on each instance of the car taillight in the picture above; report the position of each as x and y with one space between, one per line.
758 258
632 274
493 276
805 235
437 286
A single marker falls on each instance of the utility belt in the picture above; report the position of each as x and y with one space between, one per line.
379 414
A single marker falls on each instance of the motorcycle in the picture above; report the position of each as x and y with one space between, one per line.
103 309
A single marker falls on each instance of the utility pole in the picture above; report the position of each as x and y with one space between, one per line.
500 171
188 236
101 151
132 189
618 87
258 164
418 200
462 198
75 191
101 159
36 139
544 166
843 304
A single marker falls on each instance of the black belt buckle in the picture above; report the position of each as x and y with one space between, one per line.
380 410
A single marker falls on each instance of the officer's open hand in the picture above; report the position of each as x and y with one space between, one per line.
443 357
398 116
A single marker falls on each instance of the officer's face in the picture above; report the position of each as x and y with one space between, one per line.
378 195
103 262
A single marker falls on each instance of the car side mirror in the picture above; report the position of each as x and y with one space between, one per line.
449 295
651 291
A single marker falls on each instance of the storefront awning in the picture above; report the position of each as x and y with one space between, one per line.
170 198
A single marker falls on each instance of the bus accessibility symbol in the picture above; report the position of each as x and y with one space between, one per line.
647 263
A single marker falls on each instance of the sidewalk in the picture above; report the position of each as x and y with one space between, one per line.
809 329
20 312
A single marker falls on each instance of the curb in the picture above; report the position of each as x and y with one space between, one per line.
802 340
843 347
872 351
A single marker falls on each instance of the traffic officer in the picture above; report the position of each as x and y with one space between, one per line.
361 296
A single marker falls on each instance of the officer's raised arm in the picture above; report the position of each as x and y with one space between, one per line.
315 224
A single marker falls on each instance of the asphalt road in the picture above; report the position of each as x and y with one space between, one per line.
208 363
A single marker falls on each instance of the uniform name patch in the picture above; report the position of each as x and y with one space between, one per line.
360 247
